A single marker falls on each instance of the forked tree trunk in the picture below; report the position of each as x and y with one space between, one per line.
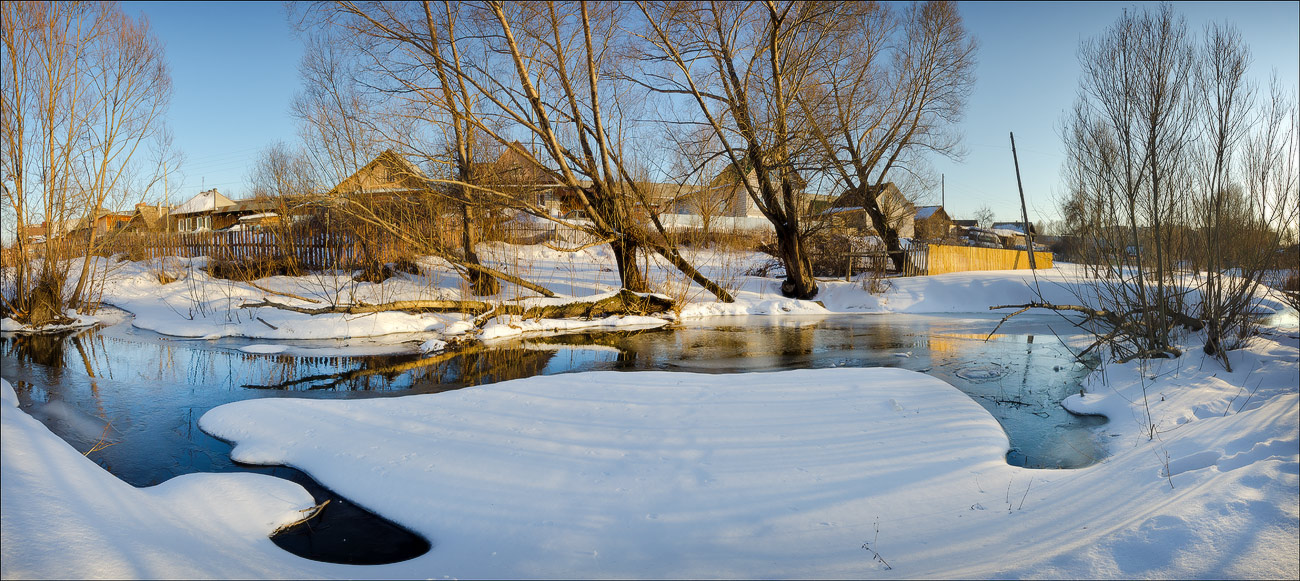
799 281
629 275
480 283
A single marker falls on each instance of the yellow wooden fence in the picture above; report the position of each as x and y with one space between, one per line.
944 259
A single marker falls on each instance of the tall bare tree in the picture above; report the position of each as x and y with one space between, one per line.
1177 173
889 91
537 71
1127 143
83 91
798 90
742 65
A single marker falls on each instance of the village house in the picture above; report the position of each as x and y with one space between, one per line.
148 218
247 215
104 222
517 175
197 214
1013 233
847 211
932 223
388 175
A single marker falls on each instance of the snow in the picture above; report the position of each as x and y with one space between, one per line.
65 517
787 474
79 321
654 474
203 202
926 211
197 305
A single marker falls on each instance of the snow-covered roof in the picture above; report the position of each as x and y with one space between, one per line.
204 202
1016 227
926 211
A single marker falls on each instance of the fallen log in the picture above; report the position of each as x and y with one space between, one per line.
625 302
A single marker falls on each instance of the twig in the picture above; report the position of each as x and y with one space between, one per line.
874 554
580 248
283 294
312 512
1022 499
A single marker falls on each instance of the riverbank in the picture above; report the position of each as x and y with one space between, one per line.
193 304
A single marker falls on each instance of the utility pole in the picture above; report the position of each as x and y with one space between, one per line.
943 198
1024 213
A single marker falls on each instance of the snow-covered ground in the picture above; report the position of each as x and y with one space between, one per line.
197 305
805 473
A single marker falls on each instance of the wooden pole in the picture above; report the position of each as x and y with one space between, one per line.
1024 213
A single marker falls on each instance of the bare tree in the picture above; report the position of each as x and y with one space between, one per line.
1127 143
1176 175
84 88
889 90
536 70
742 64
984 216
800 91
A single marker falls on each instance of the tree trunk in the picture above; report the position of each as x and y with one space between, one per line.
799 281
480 283
629 275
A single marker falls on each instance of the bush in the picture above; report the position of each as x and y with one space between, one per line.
247 269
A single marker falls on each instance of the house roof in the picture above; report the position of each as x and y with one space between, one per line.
148 215
208 201
730 175
388 172
255 205
884 193
1017 227
924 212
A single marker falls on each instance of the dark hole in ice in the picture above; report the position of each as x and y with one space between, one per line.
343 532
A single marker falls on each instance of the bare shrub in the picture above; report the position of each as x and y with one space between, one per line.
1182 184
831 254
248 269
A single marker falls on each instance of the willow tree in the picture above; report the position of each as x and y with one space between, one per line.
741 65
889 89
532 71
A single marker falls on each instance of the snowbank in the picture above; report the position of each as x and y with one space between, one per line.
654 474
65 517
785 474
79 321
788 474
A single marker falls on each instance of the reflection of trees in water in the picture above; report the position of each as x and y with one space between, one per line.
45 350
473 365
49 350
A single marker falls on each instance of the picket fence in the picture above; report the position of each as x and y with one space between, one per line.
313 251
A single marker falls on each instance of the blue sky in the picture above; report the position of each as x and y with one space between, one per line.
235 70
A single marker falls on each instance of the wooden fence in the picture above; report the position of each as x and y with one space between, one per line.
312 251
944 259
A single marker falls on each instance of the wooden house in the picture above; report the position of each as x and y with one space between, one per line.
389 174
247 215
198 214
103 222
148 218
932 223
848 211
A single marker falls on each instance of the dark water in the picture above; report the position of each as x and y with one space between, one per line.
143 393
